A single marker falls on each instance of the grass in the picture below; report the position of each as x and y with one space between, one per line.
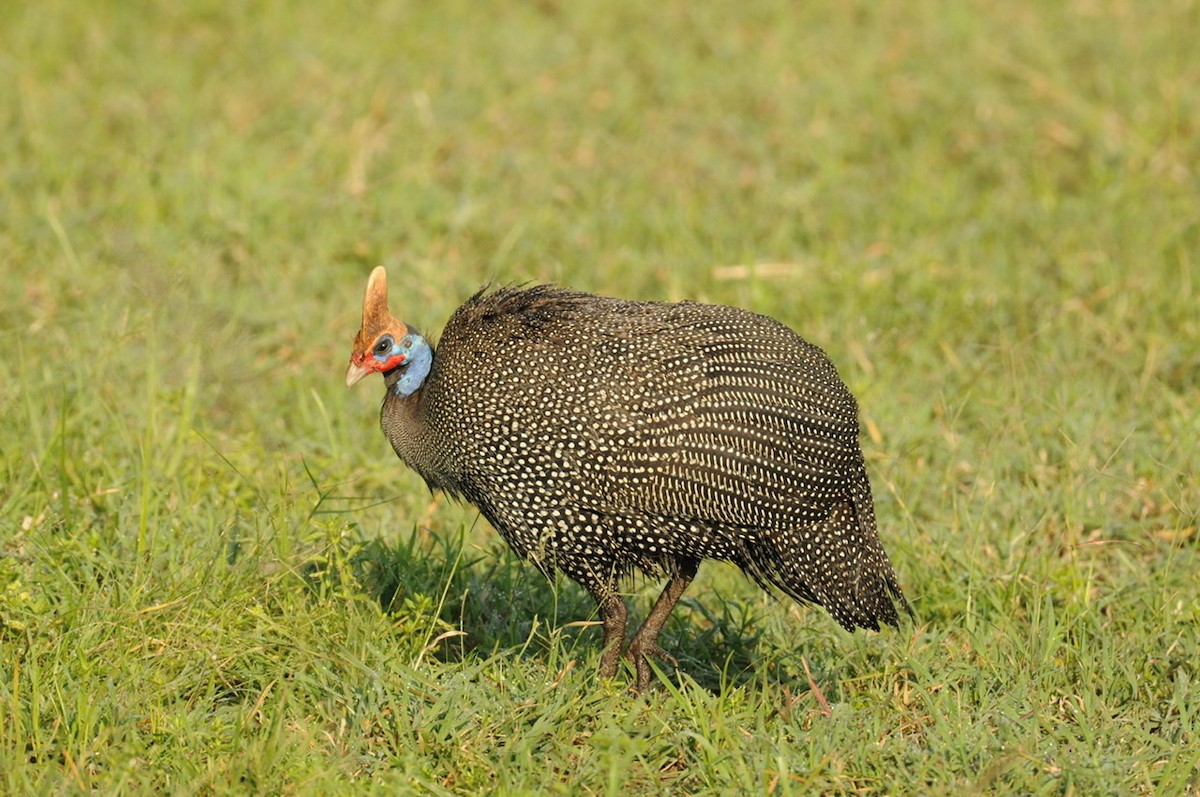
215 578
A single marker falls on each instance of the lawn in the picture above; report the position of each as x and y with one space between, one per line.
215 576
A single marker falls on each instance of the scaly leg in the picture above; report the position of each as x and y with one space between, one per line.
613 615
645 641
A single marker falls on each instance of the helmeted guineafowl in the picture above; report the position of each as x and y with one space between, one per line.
602 436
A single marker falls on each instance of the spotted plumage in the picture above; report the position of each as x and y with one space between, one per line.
601 436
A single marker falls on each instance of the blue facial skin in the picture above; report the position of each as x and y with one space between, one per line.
417 360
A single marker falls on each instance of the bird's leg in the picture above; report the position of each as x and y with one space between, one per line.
613 614
645 641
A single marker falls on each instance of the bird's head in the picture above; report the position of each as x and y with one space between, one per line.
385 344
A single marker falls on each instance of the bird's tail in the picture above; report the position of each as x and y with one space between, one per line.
837 562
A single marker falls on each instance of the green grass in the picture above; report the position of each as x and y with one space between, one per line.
216 578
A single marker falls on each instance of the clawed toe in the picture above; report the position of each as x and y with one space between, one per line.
640 656
658 652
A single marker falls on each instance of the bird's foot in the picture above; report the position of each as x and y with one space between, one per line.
639 655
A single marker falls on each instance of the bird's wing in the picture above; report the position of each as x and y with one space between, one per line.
734 419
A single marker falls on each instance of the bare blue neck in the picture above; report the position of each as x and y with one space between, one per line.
418 361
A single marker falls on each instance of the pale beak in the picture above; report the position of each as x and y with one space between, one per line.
354 373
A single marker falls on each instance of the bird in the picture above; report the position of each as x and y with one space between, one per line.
604 437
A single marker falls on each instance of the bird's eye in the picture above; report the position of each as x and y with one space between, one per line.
384 345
